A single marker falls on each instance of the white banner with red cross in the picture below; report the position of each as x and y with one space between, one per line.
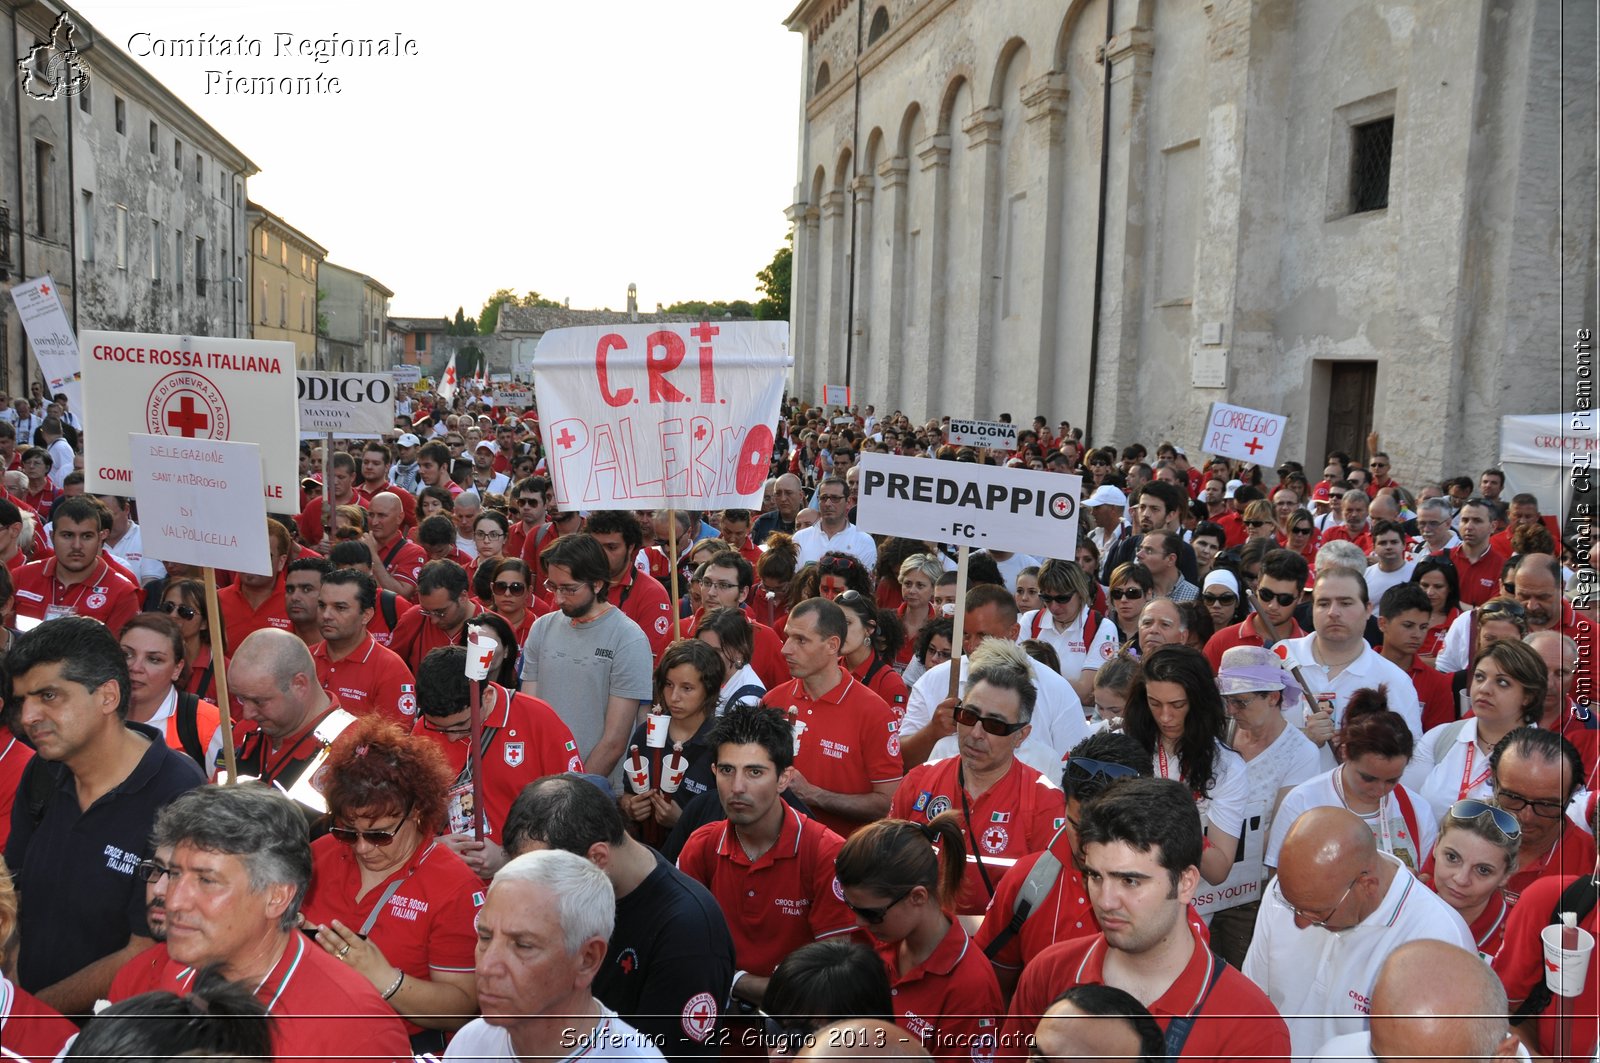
1243 434
661 416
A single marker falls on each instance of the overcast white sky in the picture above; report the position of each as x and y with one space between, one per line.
568 148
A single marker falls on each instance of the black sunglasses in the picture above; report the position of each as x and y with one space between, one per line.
1470 810
509 588
968 716
186 612
1280 598
1056 599
874 916
1086 768
349 835
1219 599
1126 594
1257 523
1302 530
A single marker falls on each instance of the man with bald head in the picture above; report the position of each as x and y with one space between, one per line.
788 495
1335 912
272 679
396 560
1432 1001
1575 720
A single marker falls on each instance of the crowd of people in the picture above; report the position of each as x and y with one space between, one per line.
1260 766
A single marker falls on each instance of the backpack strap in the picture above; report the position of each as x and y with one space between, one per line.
878 665
1038 623
749 690
391 612
1041 877
1579 898
187 719
1178 1029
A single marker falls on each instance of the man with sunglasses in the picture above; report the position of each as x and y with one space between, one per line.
532 497
1478 564
833 530
1141 853
1338 908
1277 595
1007 808
365 676
1535 773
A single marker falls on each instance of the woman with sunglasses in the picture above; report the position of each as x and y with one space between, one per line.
1439 581
1175 712
1301 535
1131 587
386 898
185 601
1220 597
903 894
512 597
934 647
1376 745
1082 637
839 572
1508 679
688 684
871 643
1471 863
918 576
1260 521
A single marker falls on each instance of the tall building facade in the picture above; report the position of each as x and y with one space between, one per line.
283 284
1120 211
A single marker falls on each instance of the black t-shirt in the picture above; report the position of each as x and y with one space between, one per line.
699 778
669 966
74 869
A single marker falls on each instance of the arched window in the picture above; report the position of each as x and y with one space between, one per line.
879 26
823 77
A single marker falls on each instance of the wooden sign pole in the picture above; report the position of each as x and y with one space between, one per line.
220 671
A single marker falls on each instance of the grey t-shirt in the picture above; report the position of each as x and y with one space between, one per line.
580 666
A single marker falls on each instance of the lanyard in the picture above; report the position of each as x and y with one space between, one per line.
1467 782
1385 843
1161 760
83 588
389 891
966 814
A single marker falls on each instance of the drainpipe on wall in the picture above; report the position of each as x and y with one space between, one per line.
1100 224
855 155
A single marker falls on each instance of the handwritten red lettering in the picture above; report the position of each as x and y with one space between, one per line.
608 343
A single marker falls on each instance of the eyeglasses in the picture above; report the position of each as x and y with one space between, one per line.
1085 769
437 614
566 590
489 535
350 835
874 916
1275 597
830 498
1258 524
1126 594
1056 599
453 731
509 588
1219 599
1470 810
150 871
185 612
1512 801
709 584
1302 530
1323 922
968 716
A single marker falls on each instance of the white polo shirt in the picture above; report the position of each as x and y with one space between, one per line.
1222 806
1320 981
1388 823
1368 670
1058 722
811 543
1453 654
1069 644
1450 766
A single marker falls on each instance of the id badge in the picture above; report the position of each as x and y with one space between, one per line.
55 612
459 807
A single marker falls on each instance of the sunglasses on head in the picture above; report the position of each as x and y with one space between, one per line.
1275 597
1470 810
1086 768
968 716
1511 609
185 612
835 565
509 587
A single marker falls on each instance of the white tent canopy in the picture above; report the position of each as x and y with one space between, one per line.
1540 451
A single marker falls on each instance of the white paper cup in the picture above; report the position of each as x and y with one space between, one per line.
1564 969
655 730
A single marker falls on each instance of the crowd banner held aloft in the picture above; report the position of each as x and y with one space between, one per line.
406 374
200 388
995 434
202 502
656 416
981 506
510 400
1244 434
50 334
345 405
836 395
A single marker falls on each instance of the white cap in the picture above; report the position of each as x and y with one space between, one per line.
1221 577
409 440
1233 485
484 444
1107 495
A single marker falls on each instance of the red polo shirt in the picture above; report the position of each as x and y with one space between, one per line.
526 741
1235 1021
370 678
1016 816
321 1009
951 1003
104 596
239 619
766 652
378 627
1581 630
30 1028
310 518
1062 914
402 558
1232 525
1501 541
14 756
885 682
1480 580
786 898
1520 965
1433 690
140 974
1242 634
416 634
1363 538
1573 854
849 740
425 925
643 599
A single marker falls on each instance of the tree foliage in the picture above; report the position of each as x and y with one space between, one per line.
700 308
490 315
774 281
462 325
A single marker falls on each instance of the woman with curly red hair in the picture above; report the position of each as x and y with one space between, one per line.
386 897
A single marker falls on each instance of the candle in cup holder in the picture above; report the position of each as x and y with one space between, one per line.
655 730
674 769
637 771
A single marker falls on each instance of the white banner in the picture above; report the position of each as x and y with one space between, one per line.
1548 439
660 416
512 400
995 434
406 374
982 506
345 405
202 501
835 395
1244 434
50 333
190 387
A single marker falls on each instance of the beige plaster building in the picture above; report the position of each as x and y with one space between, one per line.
1119 211
283 281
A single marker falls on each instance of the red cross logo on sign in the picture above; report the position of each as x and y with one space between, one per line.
188 405
1254 445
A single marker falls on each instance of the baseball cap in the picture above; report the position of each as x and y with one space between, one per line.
1107 495
1233 485
484 444
409 440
